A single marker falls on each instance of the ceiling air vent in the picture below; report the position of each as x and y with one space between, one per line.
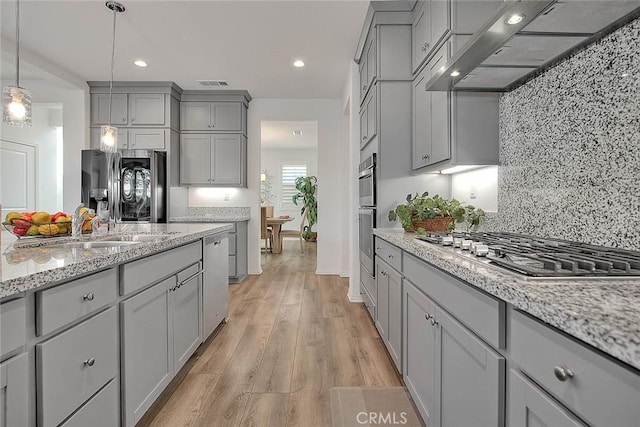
215 83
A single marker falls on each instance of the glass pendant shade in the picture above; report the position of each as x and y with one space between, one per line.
16 106
108 139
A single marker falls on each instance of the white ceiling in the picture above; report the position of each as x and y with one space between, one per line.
278 135
251 44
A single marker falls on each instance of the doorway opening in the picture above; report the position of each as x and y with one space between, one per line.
289 154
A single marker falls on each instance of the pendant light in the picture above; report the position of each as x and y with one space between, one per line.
16 101
108 133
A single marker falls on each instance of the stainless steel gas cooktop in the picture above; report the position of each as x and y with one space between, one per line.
540 257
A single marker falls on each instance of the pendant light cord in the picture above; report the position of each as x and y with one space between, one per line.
113 54
17 43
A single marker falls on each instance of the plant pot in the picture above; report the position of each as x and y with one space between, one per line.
441 224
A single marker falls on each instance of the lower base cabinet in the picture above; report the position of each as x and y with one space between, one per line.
186 306
531 407
14 403
215 286
100 411
389 320
454 378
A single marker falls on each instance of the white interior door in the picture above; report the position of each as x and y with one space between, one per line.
17 176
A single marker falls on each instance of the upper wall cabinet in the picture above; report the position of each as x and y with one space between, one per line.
146 109
211 116
435 20
100 109
368 64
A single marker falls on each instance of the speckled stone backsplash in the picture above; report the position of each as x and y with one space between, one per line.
570 147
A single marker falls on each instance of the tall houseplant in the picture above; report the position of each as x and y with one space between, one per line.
307 187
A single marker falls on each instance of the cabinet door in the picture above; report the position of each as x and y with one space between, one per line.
439 21
419 352
421 123
372 112
226 116
100 109
364 84
420 34
440 122
372 66
195 159
394 318
147 351
146 139
228 160
472 377
215 287
123 138
146 109
195 116
187 304
531 407
14 394
382 279
363 126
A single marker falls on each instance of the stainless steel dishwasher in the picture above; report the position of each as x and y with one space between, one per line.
215 288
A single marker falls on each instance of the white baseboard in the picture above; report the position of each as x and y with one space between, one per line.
355 298
326 272
344 274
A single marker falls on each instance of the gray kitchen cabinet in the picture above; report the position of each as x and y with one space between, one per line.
382 320
420 35
186 307
389 309
213 160
14 399
215 286
13 315
146 139
74 365
368 117
123 138
146 109
195 159
147 353
529 406
368 63
100 411
471 376
421 120
419 352
100 109
211 116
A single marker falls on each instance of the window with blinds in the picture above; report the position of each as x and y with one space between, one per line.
289 174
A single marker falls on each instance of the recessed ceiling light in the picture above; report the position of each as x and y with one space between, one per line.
455 73
297 133
514 19
298 63
140 63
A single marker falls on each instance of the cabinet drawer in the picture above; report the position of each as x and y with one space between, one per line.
146 139
369 304
139 274
13 321
188 272
56 307
100 411
232 244
233 268
600 390
75 364
389 253
481 313
368 282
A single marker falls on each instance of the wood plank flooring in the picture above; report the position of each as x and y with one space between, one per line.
290 337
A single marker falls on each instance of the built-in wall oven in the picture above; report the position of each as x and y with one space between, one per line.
367 212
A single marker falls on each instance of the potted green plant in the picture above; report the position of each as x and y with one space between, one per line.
422 213
307 187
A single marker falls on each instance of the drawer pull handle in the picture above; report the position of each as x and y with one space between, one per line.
389 256
90 361
434 322
562 373
88 297
427 316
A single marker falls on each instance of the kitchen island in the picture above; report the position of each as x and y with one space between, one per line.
95 328
466 332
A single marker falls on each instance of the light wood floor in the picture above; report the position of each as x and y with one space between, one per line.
289 338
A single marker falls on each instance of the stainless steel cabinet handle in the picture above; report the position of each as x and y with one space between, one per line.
90 361
390 256
209 126
133 119
423 48
427 316
364 88
364 137
124 119
217 242
88 297
562 373
434 322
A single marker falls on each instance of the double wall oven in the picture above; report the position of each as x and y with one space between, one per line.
367 217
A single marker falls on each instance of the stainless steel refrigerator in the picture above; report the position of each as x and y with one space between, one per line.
139 184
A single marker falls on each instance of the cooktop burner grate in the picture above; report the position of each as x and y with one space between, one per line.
541 257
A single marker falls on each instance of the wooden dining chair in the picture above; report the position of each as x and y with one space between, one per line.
265 233
297 233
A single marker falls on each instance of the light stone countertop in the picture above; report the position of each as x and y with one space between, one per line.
603 313
215 214
29 264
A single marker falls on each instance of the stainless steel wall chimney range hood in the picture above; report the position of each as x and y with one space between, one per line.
525 37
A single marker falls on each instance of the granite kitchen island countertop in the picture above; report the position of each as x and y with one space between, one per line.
34 263
215 214
601 312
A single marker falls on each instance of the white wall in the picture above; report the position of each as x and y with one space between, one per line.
478 187
272 161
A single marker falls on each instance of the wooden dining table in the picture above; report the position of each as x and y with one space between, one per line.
276 225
